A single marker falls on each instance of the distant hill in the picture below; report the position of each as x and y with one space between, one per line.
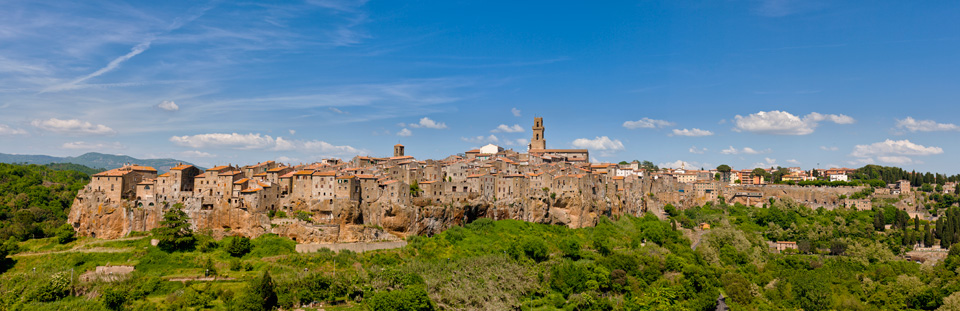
92 160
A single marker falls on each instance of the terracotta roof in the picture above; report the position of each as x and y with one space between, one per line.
303 172
288 175
218 168
398 145
474 151
346 177
241 181
249 190
401 158
389 182
262 164
365 176
200 176
142 168
277 169
260 175
331 173
111 173
167 174
230 173
181 167
427 182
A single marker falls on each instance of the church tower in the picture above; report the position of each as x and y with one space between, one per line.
538 141
398 150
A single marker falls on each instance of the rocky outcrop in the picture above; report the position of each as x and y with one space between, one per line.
327 221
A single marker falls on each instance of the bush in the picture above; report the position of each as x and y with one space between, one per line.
570 248
113 299
65 234
535 249
408 299
238 246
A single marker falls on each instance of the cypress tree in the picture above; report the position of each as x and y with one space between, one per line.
928 236
878 220
916 223
947 238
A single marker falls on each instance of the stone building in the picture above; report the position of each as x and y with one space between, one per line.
121 183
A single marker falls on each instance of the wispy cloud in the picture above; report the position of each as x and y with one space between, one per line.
81 145
428 123
7 130
136 50
72 127
691 132
515 112
647 123
913 125
503 128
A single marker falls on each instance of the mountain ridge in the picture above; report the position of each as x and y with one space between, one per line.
92 160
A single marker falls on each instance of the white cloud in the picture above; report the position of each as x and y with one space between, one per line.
263 142
222 140
913 125
603 143
768 163
197 154
405 132
784 123
6 130
428 123
895 159
81 145
518 142
492 139
286 159
891 147
646 123
691 132
745 150
515 112
72 126
335 109
793 161
503 128
293 132
168 105
696 150
684 164
832 148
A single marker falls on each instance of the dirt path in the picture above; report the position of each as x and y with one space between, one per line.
82 248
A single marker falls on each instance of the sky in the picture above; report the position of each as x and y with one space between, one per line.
753 83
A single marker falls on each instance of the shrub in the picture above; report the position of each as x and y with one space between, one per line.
535 249
570 248
238 246
408 299
113 299
174 232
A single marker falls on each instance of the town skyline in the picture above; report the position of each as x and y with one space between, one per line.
748 84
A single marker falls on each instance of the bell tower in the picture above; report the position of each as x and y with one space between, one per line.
538 141
398 150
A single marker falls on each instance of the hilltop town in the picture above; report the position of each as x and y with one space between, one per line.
371 198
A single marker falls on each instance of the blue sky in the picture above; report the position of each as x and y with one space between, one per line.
745 83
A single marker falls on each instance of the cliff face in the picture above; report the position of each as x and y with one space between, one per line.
349 221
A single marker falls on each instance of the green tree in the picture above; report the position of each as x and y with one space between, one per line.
878 220
239 246
570 248
65 234
174 233
723 168
259 295
927 236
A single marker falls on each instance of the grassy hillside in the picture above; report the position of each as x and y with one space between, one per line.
626 264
